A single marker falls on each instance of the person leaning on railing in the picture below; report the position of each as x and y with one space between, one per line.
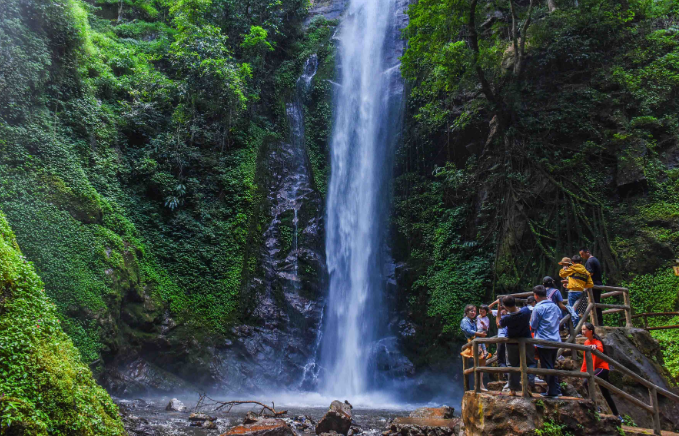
517 323
468 327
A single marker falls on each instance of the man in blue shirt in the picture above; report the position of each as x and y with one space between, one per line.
517 323
545 324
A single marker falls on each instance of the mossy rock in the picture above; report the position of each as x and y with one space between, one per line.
45 387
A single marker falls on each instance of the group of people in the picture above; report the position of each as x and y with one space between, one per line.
540 318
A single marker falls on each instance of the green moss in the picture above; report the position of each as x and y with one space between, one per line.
45 387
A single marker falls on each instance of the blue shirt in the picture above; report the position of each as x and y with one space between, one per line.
555 295
468 327
517 323
545 321
501 331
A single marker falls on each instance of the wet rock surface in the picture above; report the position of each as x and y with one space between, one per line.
262 427
425 421
337 419
639 352
493 414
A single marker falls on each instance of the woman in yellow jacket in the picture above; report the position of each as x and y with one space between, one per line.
576 278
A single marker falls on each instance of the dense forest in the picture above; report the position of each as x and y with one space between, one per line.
134 137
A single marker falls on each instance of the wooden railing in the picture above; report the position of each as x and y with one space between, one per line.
645 317
653 390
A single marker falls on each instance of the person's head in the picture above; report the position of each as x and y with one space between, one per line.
566 262
484 310
576 259
531 301
540 293
509 302
585 253
588 331
548 282
470 311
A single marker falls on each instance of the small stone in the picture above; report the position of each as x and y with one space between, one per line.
251 418
175 406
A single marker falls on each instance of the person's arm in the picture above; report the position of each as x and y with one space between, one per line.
559 301
565 272
535 319
494 303
498 319
467 329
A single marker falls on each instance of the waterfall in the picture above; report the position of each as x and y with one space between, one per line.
368 103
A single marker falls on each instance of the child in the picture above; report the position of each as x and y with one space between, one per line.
483 325
575 277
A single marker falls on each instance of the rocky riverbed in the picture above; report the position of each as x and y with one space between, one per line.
149 417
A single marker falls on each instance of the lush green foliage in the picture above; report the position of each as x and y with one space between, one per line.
131 133
570 143
44 386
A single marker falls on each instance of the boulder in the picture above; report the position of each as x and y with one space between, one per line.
337 419
443 412
637 350
406 426
263 427
175 406
487 414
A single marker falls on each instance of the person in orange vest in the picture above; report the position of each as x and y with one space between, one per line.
601 368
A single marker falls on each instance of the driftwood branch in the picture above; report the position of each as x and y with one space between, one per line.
226 406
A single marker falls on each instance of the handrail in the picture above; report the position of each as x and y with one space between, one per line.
477 370
645 316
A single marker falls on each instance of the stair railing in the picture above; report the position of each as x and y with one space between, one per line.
653 408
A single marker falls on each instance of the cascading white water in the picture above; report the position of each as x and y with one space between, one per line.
367 115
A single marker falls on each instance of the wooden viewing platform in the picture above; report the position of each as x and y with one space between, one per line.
653 390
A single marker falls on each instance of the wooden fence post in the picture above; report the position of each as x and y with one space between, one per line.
591 385
628 312
465 377
657 429
592 314
524 368
477 374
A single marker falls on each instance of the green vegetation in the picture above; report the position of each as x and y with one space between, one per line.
45 389
533 129
552 428
131 134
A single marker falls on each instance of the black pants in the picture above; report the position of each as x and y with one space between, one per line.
515 362
603 374
547 359
599 311
501 355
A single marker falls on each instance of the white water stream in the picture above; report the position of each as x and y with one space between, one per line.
366 122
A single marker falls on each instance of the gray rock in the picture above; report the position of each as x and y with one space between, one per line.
337 419
251 418
636 350
175 406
